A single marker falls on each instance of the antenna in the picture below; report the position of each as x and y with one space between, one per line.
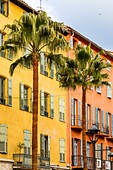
40 7
40 4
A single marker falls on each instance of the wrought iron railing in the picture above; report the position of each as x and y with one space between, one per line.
75 122
25 161
77 161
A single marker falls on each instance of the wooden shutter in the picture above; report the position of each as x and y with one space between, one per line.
52 70
72 112
112 124
31 100
97 117
60 109
42 145
109 91
9 92
21 96
3 137
42 62
71 42
41 102
102 121
79 112
93 116
51 105
48 146
27 141
86 116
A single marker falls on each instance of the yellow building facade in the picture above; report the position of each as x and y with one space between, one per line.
16 105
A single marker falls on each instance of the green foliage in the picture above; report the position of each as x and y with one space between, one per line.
85 70
33 32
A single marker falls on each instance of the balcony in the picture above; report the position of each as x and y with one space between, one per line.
76 123
25 161
77 163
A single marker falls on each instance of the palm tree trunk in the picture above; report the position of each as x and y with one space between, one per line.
35 115
84 127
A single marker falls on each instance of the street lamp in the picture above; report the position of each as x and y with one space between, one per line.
93 136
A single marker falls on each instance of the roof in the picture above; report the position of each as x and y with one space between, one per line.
70 30
23 5
87 41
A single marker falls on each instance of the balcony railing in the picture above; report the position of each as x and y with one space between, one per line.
75 122
25 161
77 162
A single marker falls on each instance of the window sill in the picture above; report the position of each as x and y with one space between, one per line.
62 120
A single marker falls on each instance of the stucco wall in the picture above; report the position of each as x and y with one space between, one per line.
6 164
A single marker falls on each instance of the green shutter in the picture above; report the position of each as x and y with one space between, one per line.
41 102
79 113
31 100
48 146
27 136
52 106
42 145
21 96
27 141
2 7
3 137
42 62
9 92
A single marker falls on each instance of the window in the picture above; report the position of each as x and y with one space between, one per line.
3 138
107 123
9 92
2 90
75 151
97 117
61 106
93 115
62 150
88 153
4 7
108 152
5 91
73 112
109 68
109 91
43 64
79 113
25 98
71 42
52 70
46 104
2 53
98 153
87 115
98 89
45 145
57 75
112 124
102 122
27 141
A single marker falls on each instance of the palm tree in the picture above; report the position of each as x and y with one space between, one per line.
34 32
86 70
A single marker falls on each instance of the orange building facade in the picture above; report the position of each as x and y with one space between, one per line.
99 104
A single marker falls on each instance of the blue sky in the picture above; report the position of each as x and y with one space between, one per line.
92 18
